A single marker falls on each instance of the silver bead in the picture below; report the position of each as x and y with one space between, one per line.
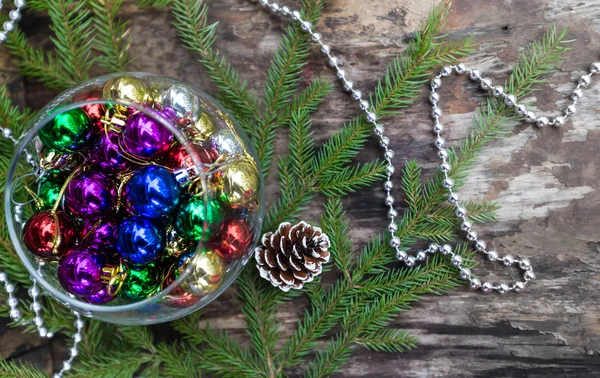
529 275
316 37
466 225
306 25
438 128
486 287
371 117
433 248
326 49
379 130
275 8
74 352
264 3
7 133
364 105
390 170
3 277
577 94
445 249
461 212
395 242
36 306
595 68
585 80
436 82
384 142
447 183
453 198
348 85
442 153
436 112
502 289
421 256
480 245
498 91
66 365
3 36
392 227
486 83
50 335
456 260
34 292
558 122
445 71
38 321
465 273
525 264
543 122
492 256
392 213
472 235
475 283
518 287
410 261
401 255
79 324
571 109
15 314
341 74
389 155
333 62
440 142
357 95
14 15
389 200
460 68
434 98
8 26
530 116
285 11
388 185
13 302
43 331
521 109
475 75
19 3
510 99
77 337
508 260
445 167
9 288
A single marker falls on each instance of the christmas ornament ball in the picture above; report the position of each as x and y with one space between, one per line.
152 192
90 193
145 137
234 239
67 131
100 232
200 130
49 235
80 271
48 194
193 212
241 183
100 297
139 240
140 283
108 156
128 88
207 270
183 101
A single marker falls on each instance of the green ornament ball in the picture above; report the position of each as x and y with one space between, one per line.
48 195
140 283
189 222
67 131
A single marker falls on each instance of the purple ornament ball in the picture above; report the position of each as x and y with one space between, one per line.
90 194
108 156
146 138
80 271
100 297
100 233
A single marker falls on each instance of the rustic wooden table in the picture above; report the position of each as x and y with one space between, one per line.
547 181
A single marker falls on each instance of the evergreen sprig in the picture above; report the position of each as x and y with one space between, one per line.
368 291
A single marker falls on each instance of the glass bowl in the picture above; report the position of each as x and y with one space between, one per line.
134 199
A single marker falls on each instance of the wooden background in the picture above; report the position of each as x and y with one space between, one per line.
547 181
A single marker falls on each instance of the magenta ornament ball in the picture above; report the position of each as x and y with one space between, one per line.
100 297
100 233
146 138
90 194
80 271
108 157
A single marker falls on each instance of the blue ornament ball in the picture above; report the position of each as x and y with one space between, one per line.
152 192
140 241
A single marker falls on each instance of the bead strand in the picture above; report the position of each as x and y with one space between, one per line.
8 26
335 63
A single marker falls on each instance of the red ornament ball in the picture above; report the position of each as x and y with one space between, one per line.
178 157
49 235
233 240
94 111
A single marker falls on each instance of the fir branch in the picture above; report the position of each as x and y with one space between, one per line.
352 178
198 36
112 39
17 369
154 3
335 225
177 361
387 340
112 364
73 39
301 144
307 100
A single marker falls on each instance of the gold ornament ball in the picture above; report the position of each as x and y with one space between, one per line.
208 270
241 183
127 88
200 130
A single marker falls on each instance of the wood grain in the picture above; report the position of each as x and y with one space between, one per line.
547 181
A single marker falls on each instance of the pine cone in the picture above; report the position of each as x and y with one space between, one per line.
292 255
